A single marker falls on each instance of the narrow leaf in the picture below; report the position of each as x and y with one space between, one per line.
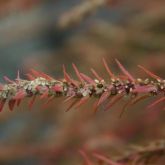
31 103
156 102
114 100
68 78
8 80
77 73
87 78
125 72
85 157
149 73
71 105
108 69
2 103
103 97
96 75
105 159
81 102
11 104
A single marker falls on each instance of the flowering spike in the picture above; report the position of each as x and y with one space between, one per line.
130 77
149 73
96 75
108 69
107 94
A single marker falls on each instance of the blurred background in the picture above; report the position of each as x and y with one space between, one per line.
44 34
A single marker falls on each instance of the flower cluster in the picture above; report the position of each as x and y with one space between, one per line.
108 93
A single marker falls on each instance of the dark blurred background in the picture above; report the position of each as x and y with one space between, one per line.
44 34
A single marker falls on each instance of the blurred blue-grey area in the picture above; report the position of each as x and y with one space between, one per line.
25 34
31 36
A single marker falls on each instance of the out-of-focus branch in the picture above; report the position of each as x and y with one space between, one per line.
79 13
154 153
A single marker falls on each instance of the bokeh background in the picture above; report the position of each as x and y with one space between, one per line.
44 34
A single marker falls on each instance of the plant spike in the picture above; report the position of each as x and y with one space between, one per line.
44 86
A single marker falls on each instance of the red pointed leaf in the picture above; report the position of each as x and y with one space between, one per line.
87 78
44 95
8 80
30 77
19 95
162 99
35 73
68 78
108 69
105 159
125 72
138 99
11 104
47 77
31 103
81 102
69 98
96 75
144 89
18 102
2 103
45 105
114 100
149 73
1 87
77 73
71 105
86 158
103 97
57 88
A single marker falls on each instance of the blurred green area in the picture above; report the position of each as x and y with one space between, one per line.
44 35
